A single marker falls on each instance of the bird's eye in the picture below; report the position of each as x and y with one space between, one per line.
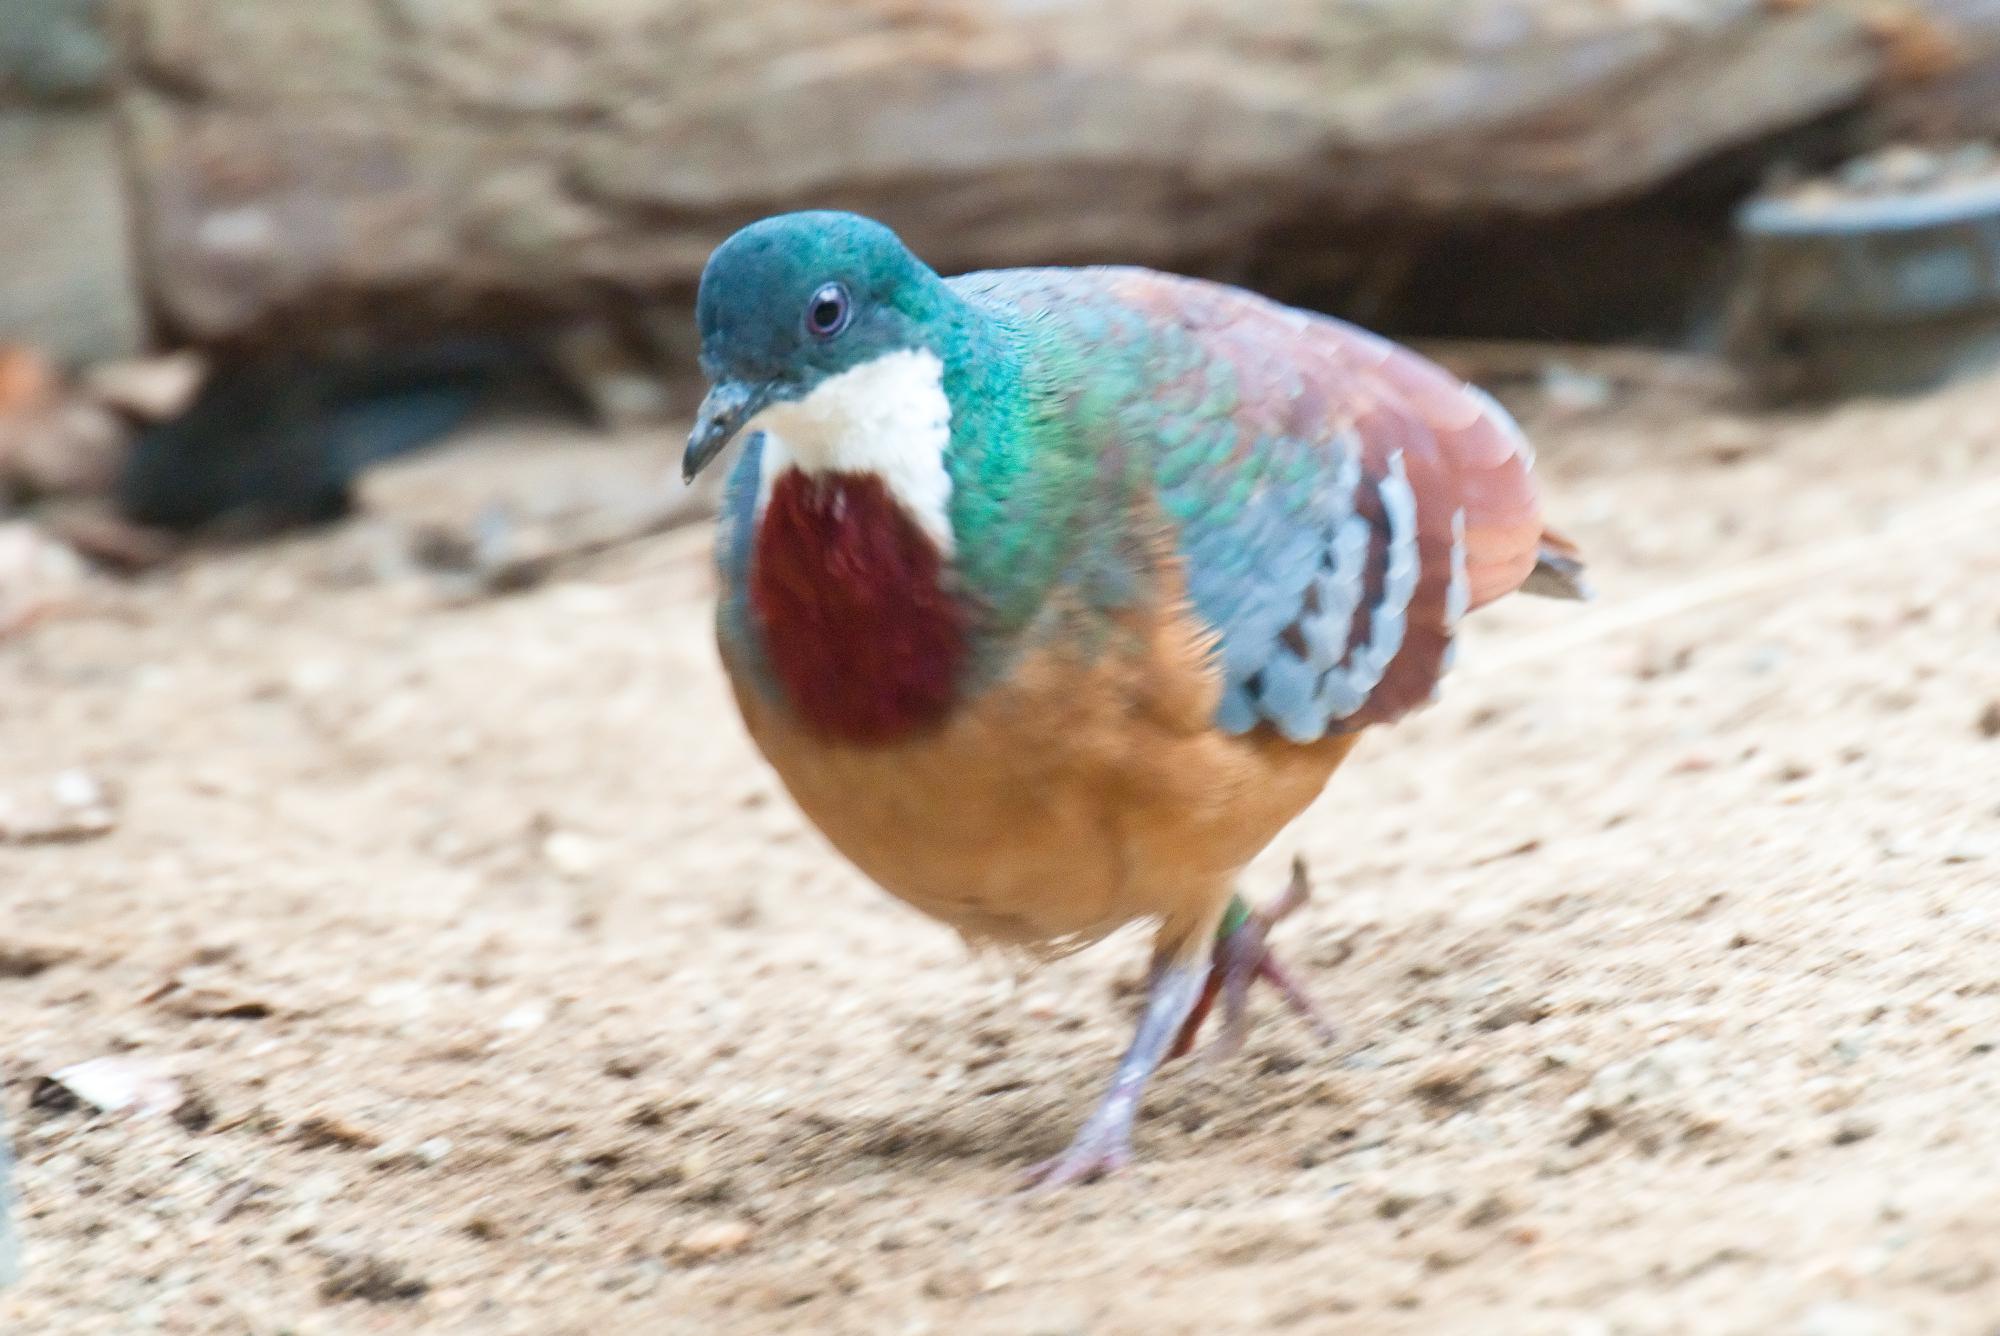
827 312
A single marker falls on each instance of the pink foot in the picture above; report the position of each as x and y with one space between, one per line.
1102 1147
1104 1144
1242 957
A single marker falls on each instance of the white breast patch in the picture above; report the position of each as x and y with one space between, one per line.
889 417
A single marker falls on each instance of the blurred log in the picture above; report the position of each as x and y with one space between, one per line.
300 165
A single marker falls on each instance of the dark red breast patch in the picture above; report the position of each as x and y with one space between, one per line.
860 631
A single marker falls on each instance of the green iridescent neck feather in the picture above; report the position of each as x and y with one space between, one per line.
1039 499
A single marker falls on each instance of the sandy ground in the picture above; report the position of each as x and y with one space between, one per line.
505 992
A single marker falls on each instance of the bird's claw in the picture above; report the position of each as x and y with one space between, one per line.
1098 1152
1178 996
1243 957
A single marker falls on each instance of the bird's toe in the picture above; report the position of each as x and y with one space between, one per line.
1093 1155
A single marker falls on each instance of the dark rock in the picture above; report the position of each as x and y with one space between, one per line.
278 441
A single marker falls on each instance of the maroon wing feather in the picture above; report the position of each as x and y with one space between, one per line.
1306 381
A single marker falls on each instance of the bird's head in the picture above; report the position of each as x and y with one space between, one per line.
794 302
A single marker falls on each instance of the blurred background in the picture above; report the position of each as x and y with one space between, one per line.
256 249
396 934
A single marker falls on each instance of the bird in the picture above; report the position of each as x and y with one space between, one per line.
1052 595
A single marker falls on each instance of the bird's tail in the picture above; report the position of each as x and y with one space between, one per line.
1558 570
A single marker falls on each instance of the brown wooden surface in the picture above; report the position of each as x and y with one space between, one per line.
297 162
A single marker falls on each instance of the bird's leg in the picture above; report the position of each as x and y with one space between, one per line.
1104 1144
1242 956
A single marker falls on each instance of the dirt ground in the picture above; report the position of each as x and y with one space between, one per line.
505 993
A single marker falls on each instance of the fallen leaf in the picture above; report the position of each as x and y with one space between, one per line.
109 1085
201 992
322 1130
75 806
151 389
213 1002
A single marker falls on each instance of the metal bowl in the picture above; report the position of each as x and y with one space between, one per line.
1881 293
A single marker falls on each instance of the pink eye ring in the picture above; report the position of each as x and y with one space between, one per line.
828 311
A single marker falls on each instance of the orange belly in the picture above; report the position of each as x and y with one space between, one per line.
1076 796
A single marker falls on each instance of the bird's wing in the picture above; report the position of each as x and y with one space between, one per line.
1339 501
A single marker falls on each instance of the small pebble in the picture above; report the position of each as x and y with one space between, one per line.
316 677
719 1239
1569 390
1835 1318
574 856
76 788
528 1016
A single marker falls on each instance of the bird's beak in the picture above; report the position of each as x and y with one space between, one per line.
729 405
